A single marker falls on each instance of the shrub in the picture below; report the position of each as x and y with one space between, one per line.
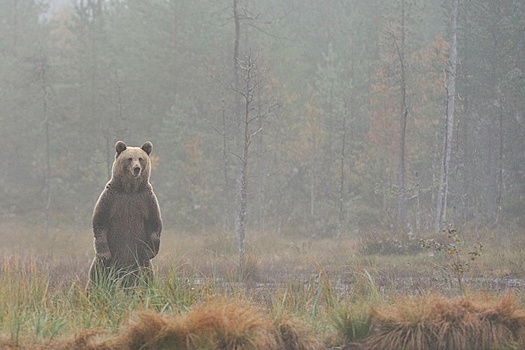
457 259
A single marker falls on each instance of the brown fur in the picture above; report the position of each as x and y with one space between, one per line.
126 219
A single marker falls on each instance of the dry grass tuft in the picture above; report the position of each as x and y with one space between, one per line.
295 335
231 325
436 323
152 331
225 325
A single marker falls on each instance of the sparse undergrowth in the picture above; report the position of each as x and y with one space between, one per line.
458 257
301 293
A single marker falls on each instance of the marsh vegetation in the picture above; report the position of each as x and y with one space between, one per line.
332 293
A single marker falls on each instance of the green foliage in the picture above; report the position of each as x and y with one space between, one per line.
352 325
351 319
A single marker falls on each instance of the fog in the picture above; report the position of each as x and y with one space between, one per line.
334 111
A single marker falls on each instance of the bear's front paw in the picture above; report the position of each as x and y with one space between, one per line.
154 247
104 256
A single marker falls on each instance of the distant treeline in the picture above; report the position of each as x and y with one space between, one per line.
339 105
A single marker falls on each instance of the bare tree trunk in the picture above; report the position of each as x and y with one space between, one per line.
402 205
226 186
495 165
261 170
41 76
342 182
463 132
417 195
441 213
313 180
48 142
400 49
250 81
251 126
501 183
242 190
242 144
236 43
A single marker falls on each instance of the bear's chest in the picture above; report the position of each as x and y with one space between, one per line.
128 210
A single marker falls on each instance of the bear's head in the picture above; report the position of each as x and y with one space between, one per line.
132 167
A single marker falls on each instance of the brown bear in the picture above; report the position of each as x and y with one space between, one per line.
126 220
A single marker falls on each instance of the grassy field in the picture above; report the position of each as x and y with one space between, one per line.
373 290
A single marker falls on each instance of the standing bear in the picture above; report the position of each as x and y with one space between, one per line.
126 221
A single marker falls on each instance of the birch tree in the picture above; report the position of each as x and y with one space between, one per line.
449 118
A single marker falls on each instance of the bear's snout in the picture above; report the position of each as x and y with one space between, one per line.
136 171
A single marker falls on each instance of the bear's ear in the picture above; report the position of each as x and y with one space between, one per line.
146 147
120 147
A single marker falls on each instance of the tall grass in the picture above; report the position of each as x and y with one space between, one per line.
31 309
351 319
24 297
299 293
201 317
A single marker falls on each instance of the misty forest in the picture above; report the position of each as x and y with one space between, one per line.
339 136
347 126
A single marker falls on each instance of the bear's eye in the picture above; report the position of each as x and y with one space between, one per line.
140 159
130 159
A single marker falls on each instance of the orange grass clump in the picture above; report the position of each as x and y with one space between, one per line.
435 323
295 335
225 325
230 325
